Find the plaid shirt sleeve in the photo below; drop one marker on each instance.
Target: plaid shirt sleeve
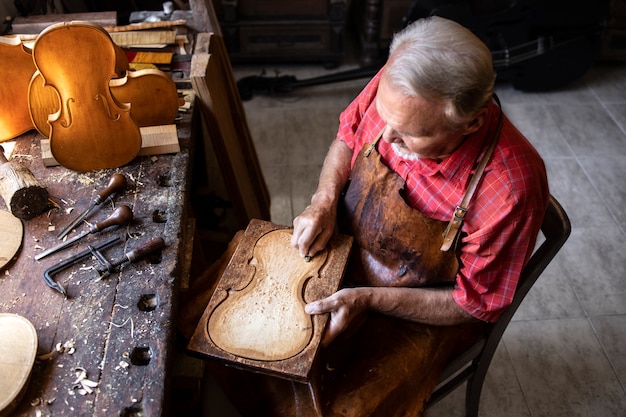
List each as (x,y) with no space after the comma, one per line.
(502,227)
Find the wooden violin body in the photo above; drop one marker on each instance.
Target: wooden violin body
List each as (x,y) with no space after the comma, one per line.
(151,94)
(91,129)
(14,79)
(43,100)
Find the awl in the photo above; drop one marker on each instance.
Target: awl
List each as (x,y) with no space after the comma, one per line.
(120,216)
(116,184)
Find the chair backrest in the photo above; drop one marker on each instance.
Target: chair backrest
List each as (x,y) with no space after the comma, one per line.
(555,229)
(474,362)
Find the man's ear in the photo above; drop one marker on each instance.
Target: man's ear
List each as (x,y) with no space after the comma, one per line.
(475,124)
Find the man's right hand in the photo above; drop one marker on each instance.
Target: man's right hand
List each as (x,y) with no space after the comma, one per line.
(313,228)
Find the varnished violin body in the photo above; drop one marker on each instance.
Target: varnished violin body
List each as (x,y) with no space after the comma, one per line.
(91,129)
(43,100)
(151,93)
(14,79)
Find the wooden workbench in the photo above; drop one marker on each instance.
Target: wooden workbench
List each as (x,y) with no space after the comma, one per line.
(119,329)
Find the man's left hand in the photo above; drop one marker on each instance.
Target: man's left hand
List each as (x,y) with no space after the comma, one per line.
(344,307)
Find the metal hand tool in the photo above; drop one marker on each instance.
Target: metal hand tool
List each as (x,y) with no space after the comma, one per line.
(134,255)
(48,274)
(116,184)
(120,216)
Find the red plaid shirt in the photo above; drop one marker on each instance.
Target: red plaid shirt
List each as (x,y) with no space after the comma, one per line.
(503,218)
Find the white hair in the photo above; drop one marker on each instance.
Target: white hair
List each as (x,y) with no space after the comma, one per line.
(437,58)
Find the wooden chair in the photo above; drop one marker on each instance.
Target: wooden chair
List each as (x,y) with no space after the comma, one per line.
(472,364)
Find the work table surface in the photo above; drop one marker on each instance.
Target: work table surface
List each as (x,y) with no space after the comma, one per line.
(118,329)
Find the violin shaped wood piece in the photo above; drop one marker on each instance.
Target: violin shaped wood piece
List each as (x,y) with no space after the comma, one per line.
(12,232)
(43,100)
(15,73)
(256,316)
(91,130)
(152,96)
(18,348)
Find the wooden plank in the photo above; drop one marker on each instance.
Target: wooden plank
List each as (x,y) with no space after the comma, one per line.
(255,319)
(155,140)
(224,116)
(145,37)
(37,23)
(145,26)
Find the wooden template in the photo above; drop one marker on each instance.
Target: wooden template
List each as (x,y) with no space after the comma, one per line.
(12,231)
(18,347)
(255,318)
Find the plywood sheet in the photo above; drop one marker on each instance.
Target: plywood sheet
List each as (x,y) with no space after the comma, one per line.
(256,319)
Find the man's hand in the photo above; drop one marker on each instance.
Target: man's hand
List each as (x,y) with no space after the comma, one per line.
(313,228)
(344,307)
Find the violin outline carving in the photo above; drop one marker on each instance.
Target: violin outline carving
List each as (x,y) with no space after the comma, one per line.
(265,320)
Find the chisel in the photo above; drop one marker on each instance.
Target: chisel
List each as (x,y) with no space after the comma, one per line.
(121,216)
(116,184)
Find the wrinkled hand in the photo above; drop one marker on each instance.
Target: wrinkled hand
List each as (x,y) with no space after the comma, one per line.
(313,228)
(344,307)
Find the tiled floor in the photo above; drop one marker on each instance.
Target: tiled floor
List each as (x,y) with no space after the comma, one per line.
(564,353)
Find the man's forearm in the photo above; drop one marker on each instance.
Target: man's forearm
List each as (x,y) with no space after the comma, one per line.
(334,175)
(433,306)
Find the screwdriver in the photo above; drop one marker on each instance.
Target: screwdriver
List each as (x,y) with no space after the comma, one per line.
(120,216)
(116,184)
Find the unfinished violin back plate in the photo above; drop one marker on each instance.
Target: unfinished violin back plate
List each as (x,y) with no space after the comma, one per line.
(255,318)
(18,348)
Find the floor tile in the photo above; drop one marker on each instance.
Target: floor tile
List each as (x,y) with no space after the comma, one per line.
(608,82)
(611,331)
(596,267)
(588,129)
(539,128)
(603,173)
(551,297)
(563,370)
(571,186)
(618,112)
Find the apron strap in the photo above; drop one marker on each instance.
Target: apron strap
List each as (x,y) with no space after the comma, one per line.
(454,227)
(372,146)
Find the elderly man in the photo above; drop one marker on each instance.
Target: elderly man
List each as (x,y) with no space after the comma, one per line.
(444,197)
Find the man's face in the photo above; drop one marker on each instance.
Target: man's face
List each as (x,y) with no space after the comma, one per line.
(416,127)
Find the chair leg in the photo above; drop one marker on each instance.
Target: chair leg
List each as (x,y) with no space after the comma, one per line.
(473,391)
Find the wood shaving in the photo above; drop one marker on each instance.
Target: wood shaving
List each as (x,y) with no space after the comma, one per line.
(82,384)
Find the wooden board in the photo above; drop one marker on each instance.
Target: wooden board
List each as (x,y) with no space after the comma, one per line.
(225,120)
(11,230)
(155,140)
(255,318)
(18,347)
(37,23)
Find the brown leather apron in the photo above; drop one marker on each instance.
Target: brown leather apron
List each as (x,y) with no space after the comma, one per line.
(396,245)
(383,367)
